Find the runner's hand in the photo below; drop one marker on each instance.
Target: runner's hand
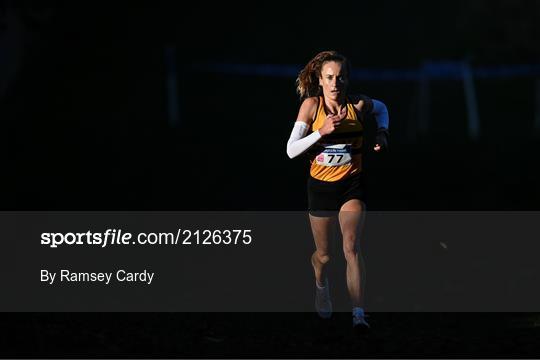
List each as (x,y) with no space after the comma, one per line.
(381,140)
(332,121)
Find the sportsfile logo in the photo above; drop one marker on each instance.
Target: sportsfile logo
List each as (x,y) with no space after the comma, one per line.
(110,236)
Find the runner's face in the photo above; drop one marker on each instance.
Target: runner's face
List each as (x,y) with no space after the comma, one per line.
(333,80)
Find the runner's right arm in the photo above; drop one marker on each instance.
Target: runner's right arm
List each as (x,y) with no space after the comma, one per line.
(299,141)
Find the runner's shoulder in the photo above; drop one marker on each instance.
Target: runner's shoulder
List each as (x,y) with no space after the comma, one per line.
(308,109)
(311,102)
(361,102)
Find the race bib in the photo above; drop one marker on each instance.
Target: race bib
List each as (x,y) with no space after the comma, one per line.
(334,155)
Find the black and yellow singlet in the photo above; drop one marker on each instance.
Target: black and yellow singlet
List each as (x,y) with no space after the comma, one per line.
(338,155)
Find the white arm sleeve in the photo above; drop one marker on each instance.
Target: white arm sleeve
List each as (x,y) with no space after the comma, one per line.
(298,142)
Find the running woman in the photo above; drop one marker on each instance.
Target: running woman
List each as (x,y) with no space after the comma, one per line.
(330,125)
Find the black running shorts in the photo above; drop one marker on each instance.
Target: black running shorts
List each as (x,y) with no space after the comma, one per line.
(324,198)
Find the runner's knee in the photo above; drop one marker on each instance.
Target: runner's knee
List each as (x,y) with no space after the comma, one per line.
(322,257)
(350,250)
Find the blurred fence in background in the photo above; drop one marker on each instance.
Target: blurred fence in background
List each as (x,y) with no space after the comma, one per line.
(419,124)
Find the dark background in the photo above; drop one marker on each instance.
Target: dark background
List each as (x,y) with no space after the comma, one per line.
(85,124)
